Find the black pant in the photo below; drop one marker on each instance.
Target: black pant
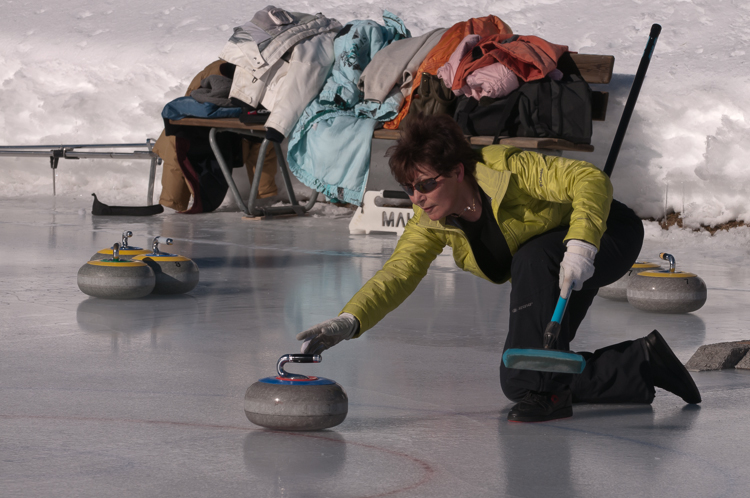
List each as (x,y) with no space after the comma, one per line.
(615,374)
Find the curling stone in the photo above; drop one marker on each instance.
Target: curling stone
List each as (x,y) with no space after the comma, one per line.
(175,274)
(294,402)
(116,278)
(126,251)
(667,291)
(618,291)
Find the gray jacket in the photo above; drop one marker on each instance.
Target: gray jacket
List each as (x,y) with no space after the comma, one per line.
(261,43)
(396,64)
(274,47)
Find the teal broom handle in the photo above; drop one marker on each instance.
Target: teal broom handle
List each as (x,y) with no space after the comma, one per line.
(553,328)
(562,303)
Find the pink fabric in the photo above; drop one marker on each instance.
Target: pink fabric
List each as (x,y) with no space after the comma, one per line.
(530,57)
(494,81)
(448,71)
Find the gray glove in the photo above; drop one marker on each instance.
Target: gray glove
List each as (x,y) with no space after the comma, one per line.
(329,333)
(577,265)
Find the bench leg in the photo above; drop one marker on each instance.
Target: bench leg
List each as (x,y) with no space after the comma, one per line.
(284,167)
(285,173)
(155,160)
(226,170)
(151,179)
(249,208)
(294,206)
(256,179)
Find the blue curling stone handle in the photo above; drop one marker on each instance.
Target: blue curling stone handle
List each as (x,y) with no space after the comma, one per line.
(310,381)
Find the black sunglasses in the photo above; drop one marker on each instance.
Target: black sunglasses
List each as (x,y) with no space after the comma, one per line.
(422,186)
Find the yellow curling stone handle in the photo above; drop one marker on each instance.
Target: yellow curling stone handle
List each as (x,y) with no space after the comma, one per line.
(671,273)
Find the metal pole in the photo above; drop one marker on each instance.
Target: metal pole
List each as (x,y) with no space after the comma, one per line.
(55,152)
(78,146)
(54,158)
(640,75)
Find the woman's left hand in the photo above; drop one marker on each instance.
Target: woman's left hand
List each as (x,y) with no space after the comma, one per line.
(577,265)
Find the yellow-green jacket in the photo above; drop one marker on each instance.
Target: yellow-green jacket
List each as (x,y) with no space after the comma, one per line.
(531,194)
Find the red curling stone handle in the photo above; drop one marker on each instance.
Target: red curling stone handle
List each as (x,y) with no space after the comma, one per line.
(295,358)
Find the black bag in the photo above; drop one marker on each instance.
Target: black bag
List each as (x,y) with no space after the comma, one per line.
(556,109)
(431,97)
(542,108)
(488,116)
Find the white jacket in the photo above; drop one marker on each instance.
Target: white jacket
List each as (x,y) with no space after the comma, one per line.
(298,82)
(267,74)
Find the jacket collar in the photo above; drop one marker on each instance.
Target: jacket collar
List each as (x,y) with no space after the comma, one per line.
(494,183)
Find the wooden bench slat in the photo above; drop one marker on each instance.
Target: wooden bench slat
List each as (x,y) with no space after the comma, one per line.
(218,123)
(534,143)
(595,69)
(522,142)
(383,134)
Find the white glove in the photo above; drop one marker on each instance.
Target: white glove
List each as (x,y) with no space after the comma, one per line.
(577,265)
(329,333)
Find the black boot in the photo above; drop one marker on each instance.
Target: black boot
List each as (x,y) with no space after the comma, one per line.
(667,371)
(540,407)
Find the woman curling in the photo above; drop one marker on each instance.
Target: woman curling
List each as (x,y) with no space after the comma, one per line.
(541,222)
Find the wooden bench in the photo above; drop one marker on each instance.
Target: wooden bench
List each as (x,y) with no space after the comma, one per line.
(595,69)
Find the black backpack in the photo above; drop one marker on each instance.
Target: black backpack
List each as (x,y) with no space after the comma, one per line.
(542,108)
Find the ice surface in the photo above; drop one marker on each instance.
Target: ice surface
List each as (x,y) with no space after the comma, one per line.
(145,398)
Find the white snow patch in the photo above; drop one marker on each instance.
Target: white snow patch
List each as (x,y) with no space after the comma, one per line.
(70,75)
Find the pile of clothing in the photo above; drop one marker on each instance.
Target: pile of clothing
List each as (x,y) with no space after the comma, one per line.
(327,87)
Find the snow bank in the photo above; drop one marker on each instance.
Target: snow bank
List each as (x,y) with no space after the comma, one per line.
(82,71)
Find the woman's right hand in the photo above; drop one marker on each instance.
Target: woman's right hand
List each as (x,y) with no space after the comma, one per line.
(329,333)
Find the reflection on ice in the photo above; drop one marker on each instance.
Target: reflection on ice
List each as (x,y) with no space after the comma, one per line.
(128,318)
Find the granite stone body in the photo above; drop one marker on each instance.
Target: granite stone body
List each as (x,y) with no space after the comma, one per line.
(720,356)
(665,292)
(618,291)
(174,274)
(296,406)
(744,363)
(116,280)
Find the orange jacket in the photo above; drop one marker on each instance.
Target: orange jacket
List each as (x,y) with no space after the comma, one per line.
(530,57)
(440,53)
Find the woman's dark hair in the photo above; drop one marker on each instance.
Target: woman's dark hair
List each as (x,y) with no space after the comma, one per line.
(435,141)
